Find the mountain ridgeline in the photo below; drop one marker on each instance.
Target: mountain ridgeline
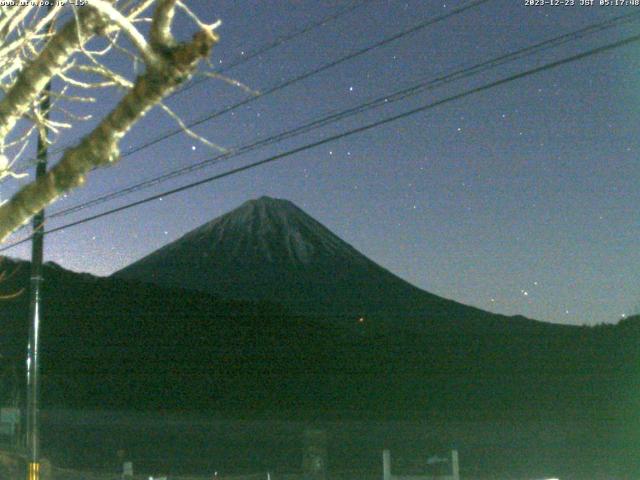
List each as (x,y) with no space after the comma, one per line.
(264,311)
(270,250)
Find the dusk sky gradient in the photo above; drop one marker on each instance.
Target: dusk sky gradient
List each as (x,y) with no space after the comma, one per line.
(522,199)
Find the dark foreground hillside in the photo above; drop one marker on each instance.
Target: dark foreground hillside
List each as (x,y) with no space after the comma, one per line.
(112,344)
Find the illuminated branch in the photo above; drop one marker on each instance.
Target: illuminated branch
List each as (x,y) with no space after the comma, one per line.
(167,67)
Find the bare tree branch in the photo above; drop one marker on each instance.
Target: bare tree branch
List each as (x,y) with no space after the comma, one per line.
(101,147)
(34,77)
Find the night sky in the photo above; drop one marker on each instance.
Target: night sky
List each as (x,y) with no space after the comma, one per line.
(522,199)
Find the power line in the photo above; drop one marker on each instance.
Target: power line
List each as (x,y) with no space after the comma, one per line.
(335,116)
(243,59)
(332,138)
(304,76)
(276,43)
(311,73)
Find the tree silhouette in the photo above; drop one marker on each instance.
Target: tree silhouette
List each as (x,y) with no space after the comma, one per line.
(34,50)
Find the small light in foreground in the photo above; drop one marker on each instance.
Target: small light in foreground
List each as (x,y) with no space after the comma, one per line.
(361,320)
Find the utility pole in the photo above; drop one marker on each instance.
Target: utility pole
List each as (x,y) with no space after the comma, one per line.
(35,307)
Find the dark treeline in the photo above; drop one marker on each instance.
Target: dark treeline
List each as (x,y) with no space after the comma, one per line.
(114,344)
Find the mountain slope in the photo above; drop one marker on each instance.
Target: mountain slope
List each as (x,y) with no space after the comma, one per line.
(109,343)
(269,249)
(112,343)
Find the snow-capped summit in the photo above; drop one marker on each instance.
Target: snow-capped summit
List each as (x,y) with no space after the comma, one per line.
(266,229)
(269,249)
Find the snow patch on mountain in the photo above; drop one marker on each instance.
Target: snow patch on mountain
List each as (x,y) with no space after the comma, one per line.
(268,228)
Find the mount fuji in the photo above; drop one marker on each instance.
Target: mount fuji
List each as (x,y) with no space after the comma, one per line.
(270,250)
